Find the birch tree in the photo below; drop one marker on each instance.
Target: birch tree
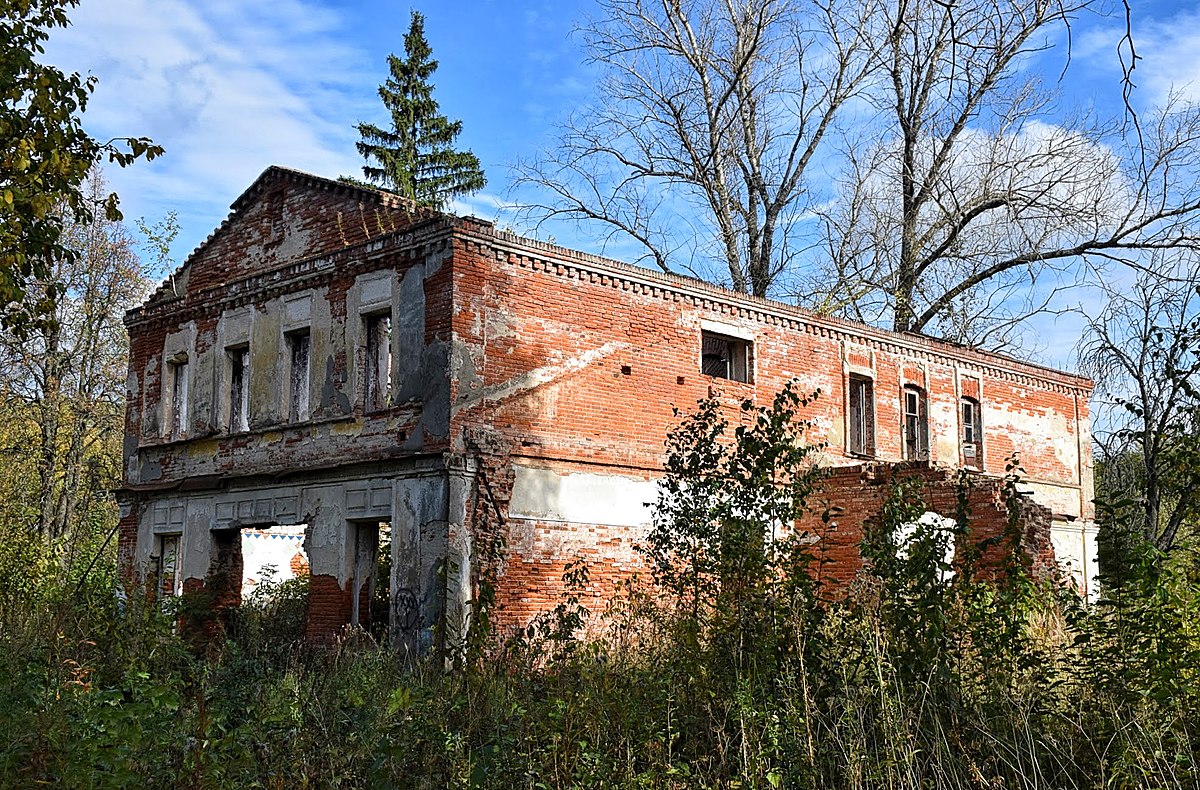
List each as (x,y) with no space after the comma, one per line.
(1143,350)
(64,377)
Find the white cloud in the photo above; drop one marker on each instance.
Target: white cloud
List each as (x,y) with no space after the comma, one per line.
(228,88)
(1167,40)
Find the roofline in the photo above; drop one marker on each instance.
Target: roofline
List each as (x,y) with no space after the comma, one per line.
(389,199)
(519,245)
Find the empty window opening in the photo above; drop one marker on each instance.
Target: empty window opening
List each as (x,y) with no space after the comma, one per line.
(239,389)
(972,433)
(379,361)
(168,570)
(916,425)
(177,395)
(862,416)
(725,357)
(256,566)
(370,586)
(272,556)
(931,538)
(299,348)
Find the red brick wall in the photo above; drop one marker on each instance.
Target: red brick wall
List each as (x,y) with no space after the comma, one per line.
(587,366)
(860,492)
(328,608)
(572,361)
(275,223)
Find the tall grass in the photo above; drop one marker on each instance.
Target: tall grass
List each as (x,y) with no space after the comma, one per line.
(748,674)
(93,695)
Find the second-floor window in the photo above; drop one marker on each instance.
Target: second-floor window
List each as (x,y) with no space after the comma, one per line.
(725,357)
(378,360)
(299,345)
(862,416)
(916,424)
(239,388)
(177,394)
(972,433)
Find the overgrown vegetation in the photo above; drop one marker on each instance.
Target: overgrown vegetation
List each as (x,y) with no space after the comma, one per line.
(749,674)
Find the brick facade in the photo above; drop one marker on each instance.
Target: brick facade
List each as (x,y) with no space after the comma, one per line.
(530,391)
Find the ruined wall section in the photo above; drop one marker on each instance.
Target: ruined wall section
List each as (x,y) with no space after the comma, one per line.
(285,216)
(576,363)
(858,493)
(327,299)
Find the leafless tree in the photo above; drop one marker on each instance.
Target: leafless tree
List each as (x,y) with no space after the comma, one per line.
(962,192)
(65,374)
(1143,349)
(708,117)
(971,184)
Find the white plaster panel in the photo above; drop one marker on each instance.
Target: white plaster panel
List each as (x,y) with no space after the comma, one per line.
(374,291)
(1077,554)
(297,310)
(944,428)
(369,500)
(408,334)
(1059,499)
(324,509)
(729,330)
(581,497)
(234,327)
(197,537)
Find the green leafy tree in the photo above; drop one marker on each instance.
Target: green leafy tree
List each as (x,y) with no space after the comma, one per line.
(45,157)
(723,541)
(415,157)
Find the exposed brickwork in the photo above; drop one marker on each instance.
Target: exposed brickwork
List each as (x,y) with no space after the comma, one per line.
(537,559)
(859,492)
(518,356)
(328,608)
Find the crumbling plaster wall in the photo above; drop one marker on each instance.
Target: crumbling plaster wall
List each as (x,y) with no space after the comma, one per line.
(249,286)
(337,430)
(413,500)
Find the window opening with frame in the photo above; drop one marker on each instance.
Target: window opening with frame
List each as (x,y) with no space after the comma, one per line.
(972,433)
(916,424)
(378,361)
(726,357)
(177,407)
(299,351)
(239,388)
(167,567)
(862,416)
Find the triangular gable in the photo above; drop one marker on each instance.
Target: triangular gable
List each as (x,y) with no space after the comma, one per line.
(287,216)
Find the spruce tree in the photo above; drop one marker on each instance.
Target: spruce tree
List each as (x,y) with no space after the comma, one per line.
(416,157)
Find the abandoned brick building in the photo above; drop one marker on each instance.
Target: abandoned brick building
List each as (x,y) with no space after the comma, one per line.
(362,373)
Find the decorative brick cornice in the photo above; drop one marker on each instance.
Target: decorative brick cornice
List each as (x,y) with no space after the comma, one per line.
(539,256)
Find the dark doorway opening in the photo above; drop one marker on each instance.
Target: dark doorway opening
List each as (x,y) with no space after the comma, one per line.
(371,581)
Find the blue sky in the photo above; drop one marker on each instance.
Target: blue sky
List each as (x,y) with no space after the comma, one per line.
(230,87)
